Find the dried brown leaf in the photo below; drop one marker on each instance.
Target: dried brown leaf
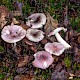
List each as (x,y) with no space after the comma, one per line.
(3,14)
(78,37)
(50,26)
(4,11)
(15,21)
(28,42)
(18,50)
(33,48)
(16,13)
(27,77)
(24,25)
(44,41)
(23,61)
(77,73)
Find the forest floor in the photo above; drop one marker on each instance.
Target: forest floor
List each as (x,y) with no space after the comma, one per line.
(16,64)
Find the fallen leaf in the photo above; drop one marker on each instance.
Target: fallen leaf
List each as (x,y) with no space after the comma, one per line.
(3,14)
(27,41)
(33,48)
(24,25)
(50,26)
(71,75)
(16,13)
(78,37)
(23,61)
(3,11)
(15,21)
(44,41)
(27,77)
(18,49)
(77,73)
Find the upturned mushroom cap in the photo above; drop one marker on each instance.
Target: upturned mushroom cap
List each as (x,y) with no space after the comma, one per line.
(13,33)
(42,60)
(36,20)
(59,38)
(54,48)
(34,35)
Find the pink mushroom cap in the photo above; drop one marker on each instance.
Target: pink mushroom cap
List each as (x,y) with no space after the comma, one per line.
(36,20)
(13,33)
(54,48)
(42,60)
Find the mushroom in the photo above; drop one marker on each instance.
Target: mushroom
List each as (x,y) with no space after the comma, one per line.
(34,35)
(54,48)
(42,60)
(13,34)
(36,20)
(59,38)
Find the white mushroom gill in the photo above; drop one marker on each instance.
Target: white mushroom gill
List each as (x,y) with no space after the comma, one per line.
(36,20)
(59,38)
(34,35)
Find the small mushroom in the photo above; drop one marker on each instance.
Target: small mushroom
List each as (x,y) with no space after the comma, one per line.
(42,60)
(34,35)
(13,33)
(59,38)
(54,48)
(36,20)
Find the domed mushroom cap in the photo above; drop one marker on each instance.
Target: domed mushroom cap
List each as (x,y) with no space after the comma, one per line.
(54,48)
(36,20)
(42,60)
(34,35)
(13,33)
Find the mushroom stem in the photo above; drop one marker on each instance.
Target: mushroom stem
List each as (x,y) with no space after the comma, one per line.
(62,41)
(14,45)
(59,38)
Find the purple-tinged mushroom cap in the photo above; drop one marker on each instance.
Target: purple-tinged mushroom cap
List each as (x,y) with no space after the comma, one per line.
(36,20)
(13,33)
(54,48)
(42,60)
(34,35)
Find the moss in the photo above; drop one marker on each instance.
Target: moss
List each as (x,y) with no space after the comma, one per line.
(1,48)
(2,76)
(67,62)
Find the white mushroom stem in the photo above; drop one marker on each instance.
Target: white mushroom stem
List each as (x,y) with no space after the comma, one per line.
(14,45)
(59,38)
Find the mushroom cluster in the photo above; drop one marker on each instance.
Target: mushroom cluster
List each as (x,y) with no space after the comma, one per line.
(55,48)
(43,59)
(35,21)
